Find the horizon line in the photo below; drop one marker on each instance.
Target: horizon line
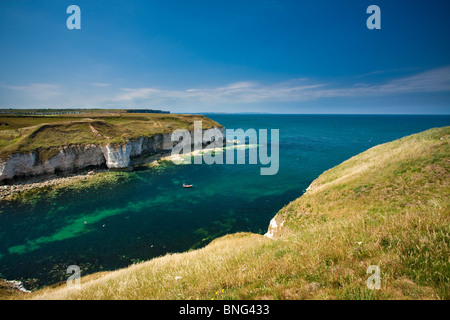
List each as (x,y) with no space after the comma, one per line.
(231,113)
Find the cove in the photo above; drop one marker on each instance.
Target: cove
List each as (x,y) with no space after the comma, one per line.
(147,213)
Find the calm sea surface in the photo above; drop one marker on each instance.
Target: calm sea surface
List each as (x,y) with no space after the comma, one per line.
(148,213)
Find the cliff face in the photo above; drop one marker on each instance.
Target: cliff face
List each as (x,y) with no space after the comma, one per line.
(76,157)
(119,156)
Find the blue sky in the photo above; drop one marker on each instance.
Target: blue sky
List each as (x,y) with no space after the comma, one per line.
(312,56)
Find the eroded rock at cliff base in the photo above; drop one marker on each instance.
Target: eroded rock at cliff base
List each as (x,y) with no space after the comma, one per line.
(77,157)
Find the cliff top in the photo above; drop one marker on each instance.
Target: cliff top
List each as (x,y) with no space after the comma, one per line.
(386,207)
(27,133)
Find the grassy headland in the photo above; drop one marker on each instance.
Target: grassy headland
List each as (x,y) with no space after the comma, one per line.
(388,206)
(23,133)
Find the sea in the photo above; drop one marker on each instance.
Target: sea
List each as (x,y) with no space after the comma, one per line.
(147,213)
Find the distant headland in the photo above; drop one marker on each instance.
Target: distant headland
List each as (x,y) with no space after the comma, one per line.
(36,142)
(51,111)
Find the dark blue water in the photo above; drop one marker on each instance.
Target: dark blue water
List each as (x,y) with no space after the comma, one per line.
(147,213)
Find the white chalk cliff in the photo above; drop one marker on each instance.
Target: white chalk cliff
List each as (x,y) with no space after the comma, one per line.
(76,157)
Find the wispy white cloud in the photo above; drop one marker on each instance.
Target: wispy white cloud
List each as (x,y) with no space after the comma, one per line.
(101,84)
(244,92)
(40,91)
(436,80)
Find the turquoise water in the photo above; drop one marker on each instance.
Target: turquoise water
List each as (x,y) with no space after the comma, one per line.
(148,214)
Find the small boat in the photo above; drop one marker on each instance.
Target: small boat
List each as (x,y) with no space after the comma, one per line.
(187,185)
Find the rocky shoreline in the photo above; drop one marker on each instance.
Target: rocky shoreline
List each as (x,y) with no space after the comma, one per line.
(26,184)
(22,185)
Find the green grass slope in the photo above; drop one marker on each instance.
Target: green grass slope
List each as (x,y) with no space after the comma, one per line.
(388,207)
